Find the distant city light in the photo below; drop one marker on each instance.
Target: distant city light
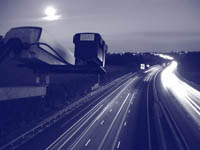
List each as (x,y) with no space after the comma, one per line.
(51,14)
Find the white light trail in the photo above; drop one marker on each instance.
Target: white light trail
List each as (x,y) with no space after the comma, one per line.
(151,72)
(165,56)
(186,95)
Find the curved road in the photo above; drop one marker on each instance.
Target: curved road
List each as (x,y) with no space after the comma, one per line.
(150,110)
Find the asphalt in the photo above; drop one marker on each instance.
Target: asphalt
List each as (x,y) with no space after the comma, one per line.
(142,112)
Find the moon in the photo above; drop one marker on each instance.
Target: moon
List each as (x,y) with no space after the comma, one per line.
(50,11)
(51,14)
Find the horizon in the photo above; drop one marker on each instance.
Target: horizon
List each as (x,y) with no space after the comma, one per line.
(144,26)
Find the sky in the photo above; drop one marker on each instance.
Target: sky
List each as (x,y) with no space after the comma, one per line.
(125,25)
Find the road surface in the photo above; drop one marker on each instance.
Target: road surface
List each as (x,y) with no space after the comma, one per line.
(150,110)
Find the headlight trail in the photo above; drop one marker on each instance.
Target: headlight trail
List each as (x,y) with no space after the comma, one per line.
(151,72)
(186,95)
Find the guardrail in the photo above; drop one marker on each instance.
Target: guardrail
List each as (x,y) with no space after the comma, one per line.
(58,115)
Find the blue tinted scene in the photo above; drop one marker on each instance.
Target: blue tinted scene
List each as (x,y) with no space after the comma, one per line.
(99,75)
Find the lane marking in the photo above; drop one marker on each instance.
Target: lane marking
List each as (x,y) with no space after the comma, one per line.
(88,128)
(94,121)
(102,122)
(118,145)
(124,123)
(148,119)
(110,110)
(67,122)
(132,98)
(87,142)
(78,122)
(112,123)
(52,145)
(121,124)
(77,129)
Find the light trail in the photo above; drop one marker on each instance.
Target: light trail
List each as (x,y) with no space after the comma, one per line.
(165,56)
(151,72)
(184,94)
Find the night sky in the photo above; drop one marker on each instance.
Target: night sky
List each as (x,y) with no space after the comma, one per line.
(126,25)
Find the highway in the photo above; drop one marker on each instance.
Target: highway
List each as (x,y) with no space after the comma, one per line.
(180,107)
(150,110)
